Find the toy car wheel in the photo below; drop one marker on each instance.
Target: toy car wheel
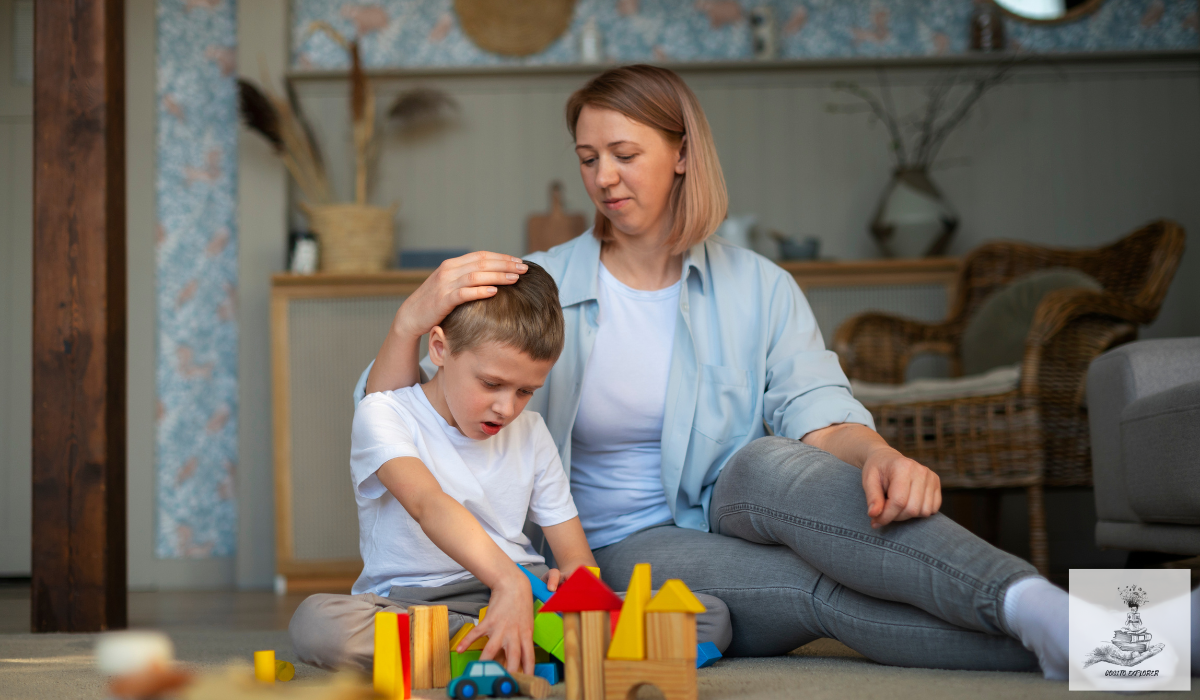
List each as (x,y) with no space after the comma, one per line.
(466,690)
(504,688)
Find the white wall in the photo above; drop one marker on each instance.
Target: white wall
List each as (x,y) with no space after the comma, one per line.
(1068,155)
(262,244)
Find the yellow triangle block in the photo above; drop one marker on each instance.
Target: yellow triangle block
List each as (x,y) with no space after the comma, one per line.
(629,639)
(675,596)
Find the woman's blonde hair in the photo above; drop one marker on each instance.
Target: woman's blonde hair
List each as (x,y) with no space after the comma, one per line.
(659,98)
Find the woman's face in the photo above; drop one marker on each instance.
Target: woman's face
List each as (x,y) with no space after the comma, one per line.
(628,169)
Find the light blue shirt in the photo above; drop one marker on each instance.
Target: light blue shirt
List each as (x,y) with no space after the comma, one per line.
(747,351)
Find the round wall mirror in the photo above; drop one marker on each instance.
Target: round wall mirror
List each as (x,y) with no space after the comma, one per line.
(1048,11)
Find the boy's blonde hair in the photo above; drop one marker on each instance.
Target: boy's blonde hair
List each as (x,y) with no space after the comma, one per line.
(659,98)
(526,315)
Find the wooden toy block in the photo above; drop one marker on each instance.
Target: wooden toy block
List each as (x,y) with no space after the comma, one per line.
(388,667)
(264,666)
(440,644)
(573,655)
(284,671)
(458,662)
(482,612)
(629,640)
(582,591)
(675,596)
(671,635)
(404,675)
(548,634)
(531,686)
(594,569)
(594,635)
(551,671)
(479,642)
(706,654)
(422,652)
(675,679)
(540,591)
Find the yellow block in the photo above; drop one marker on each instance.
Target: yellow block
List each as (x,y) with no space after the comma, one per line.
(482,612)
(388,677)
(629,641)
(284,671)
(675,596)
(594,569)
(458,636)
(264,666)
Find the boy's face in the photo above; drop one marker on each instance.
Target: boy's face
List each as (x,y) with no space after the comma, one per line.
(486,387)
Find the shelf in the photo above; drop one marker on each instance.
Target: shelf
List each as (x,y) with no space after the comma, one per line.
(793,65)
(808,274)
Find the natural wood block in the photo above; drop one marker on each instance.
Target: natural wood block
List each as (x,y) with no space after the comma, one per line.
(422,653)
(595,634)
(535,687)
(572,653)
(675,679)
(440,643)
(670,635)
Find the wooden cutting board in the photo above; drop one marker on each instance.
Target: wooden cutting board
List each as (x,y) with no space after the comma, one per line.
(544,231)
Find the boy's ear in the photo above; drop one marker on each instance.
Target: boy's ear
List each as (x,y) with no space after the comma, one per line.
(438,348)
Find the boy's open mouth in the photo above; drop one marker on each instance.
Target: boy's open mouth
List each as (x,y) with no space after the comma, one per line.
(491,428)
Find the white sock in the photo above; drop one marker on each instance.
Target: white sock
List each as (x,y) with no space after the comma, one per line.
(1037,612)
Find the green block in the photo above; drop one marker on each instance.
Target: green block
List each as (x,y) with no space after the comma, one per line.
(548,634)
(458,662)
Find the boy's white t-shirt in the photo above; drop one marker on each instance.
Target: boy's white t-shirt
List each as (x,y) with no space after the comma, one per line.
(512,475)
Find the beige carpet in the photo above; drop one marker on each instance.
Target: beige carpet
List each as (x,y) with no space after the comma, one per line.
(58,667)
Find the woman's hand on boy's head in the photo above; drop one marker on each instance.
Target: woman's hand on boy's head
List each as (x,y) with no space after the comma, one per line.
(456,281)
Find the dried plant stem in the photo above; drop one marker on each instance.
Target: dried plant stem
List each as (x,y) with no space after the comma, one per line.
(364,132)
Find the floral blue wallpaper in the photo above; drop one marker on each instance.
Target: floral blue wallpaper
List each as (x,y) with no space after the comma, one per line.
(196,253)
(397,33)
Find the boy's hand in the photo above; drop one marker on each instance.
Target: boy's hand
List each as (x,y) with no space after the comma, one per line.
(508,625)
(553,578)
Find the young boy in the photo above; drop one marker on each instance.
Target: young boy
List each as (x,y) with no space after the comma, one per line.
(445,475)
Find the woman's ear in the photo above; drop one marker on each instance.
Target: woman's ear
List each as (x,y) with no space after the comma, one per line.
(437,346)
(681,162)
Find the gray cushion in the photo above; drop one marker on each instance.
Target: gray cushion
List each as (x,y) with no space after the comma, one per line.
(1160,449)
(996,335)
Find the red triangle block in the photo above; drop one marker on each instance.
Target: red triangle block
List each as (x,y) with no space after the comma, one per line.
(583,591)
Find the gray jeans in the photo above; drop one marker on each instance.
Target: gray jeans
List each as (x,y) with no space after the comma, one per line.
(793,556)
(334,631)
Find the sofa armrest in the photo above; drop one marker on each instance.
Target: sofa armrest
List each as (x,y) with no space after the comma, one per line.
(1116,379)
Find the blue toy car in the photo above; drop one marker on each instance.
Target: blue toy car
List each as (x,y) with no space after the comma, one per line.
(482,678)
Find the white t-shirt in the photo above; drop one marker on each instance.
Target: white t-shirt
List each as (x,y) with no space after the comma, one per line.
(616,450)
(501,480)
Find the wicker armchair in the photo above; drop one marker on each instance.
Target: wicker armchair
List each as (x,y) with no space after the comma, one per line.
(1038,433)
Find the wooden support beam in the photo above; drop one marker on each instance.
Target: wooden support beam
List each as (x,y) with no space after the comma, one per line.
(79,542)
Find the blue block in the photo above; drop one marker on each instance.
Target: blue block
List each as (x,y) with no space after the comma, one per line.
(539,588)
(706,654)
(552,672)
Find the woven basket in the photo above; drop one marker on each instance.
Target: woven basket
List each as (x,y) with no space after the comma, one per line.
(354,238)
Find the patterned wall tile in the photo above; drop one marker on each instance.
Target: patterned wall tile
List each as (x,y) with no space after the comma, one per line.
(398,33)
(196,373)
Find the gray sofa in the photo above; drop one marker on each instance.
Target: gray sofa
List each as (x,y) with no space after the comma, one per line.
(1144,418)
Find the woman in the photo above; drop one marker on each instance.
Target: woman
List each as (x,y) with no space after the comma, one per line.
(679,348)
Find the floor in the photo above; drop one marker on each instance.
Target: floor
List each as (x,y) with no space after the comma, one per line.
(211,628)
